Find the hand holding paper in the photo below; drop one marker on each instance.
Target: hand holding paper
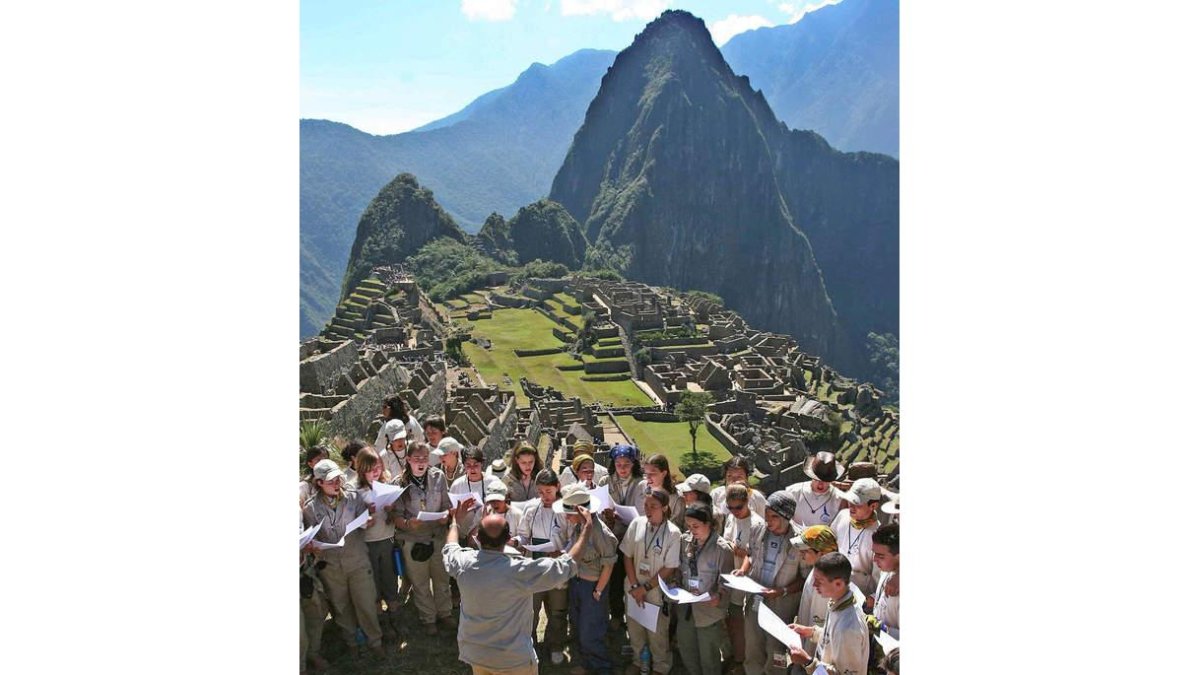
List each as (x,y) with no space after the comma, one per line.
(431,516)
(776,628)
(456,499)
(681,596)
(743,584)
(307,535)
(384,495)
(540,548)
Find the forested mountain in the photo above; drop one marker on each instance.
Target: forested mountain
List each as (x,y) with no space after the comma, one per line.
(497,154)
(682,176)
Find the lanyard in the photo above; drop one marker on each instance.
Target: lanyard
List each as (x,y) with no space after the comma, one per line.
(650,537)
(822,505)
(533,527)
(694,556)
(850,545)
(621,497)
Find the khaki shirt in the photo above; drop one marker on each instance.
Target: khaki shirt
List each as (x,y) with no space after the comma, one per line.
(712,560)
(539,521)
(354,552)
(517,491)
(599,550)
(657,547)
(435,497)
(787,568)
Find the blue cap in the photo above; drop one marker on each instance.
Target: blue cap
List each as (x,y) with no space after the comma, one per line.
(623,450)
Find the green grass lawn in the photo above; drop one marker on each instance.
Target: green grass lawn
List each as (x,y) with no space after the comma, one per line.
(566,300)
(673,440)
(510,329)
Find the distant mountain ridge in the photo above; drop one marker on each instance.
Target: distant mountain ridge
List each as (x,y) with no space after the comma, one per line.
(836,71)
(497,154)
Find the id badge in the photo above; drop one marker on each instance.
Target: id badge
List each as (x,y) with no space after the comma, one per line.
(694,586)
(779,659)
(644,568)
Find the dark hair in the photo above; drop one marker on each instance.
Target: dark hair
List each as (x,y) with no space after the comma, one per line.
(435,422)
(891,662)
(523,449)
(351,449)
(737,462)
(834,566)
(663,464)
(889,536)
(637,467)
(703,498)
(475,454)
(701,512)
(309,455)
(486,541)
(399,410)
(546,477)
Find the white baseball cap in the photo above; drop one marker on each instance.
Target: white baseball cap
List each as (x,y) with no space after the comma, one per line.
(862,491)
(698,482)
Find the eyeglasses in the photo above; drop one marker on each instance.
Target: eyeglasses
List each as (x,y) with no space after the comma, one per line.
(736,507)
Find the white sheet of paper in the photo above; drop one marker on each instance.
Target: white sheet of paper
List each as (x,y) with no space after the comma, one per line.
(540,548)
(600,499)
(383,495)
(681,596)
(511,551)
(322,546)
(431,516)
(455,500)
(743,584)
(886,642)
(776,628)
(307,535)
(357,523)
(625,513)
(820,670)
(646,616)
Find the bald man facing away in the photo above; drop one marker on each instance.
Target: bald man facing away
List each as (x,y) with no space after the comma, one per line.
(496,623)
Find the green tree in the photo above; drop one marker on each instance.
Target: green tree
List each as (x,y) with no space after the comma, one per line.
(691,408)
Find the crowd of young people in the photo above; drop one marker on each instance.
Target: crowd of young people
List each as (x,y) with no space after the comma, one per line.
(826,564)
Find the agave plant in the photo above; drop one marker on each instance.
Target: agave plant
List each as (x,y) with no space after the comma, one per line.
(313,433)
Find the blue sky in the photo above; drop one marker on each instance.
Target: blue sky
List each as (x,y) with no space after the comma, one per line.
(386,66)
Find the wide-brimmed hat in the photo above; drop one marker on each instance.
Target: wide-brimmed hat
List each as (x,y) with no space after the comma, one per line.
(823,466)
(575,494)
(892,505)
(862,491)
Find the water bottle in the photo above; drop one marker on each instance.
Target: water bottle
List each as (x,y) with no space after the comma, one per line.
(644,665)
(398,560)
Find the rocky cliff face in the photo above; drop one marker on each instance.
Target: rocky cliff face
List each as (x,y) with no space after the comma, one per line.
(683,176)
(401,219)
(542,230)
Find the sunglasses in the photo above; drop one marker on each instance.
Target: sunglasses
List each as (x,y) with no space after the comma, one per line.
(736,507)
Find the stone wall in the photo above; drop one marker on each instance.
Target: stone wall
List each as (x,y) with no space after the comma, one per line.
(319,374)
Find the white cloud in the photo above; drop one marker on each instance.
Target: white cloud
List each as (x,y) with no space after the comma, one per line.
(733,24)
(489,10)
(619,10)
(796,9)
